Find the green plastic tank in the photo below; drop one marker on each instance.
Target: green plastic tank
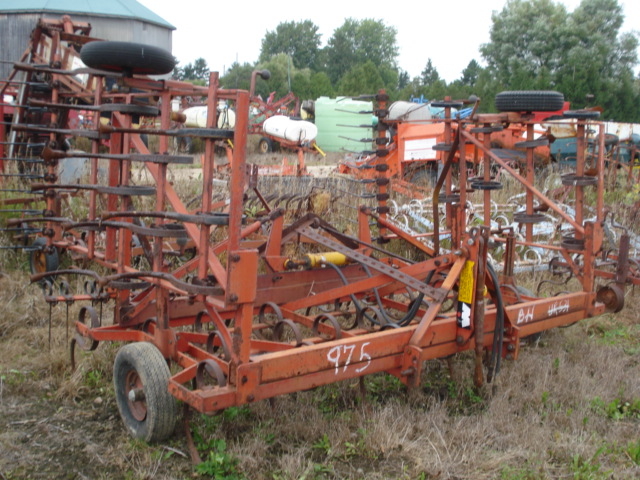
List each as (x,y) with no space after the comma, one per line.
(342,122)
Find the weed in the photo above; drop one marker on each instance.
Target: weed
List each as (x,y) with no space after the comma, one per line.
(237,413)
(14,377)
(633,450)
(219,464)
(323,444)
(358,447)
(162,454)
(545,398)
(617,409)
(556,365)
(472,396)
(381,386)
(588,469)
(319,469)
(332,400)
(609,332)
(524,473)
(94,379)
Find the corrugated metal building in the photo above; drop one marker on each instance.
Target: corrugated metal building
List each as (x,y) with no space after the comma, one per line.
(122,20)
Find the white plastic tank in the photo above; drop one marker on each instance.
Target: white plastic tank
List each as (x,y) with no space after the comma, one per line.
(197,117)
(290,129)
(409,111)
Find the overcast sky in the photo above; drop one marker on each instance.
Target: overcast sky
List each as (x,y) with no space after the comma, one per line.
(448,32)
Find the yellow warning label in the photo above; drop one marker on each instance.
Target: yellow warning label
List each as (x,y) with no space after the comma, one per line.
(465,294)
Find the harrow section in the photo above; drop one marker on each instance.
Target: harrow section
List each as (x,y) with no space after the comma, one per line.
(247,306)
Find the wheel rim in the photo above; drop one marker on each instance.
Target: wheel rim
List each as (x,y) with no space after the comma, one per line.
(135,395)
(40,262)
(264,147)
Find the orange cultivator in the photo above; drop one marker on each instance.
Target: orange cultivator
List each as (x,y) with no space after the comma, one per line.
(247,308)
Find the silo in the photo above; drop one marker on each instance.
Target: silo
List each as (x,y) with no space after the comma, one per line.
(122,20)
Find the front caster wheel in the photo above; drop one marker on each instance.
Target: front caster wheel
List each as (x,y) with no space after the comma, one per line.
(140,379)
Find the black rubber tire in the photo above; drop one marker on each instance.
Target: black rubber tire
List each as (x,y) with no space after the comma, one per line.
(529,101)
(141,365)
(40,260)
(581,114)
(130,58)
(265,145)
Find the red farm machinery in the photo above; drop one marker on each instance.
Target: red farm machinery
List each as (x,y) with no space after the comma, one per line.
(219,306)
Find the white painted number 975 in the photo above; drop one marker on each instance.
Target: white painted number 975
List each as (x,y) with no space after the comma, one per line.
(336,354)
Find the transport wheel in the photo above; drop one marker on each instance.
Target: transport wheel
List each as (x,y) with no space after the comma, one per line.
(140,379)
(529,101)
(41,259)
(265,145)
(130,58)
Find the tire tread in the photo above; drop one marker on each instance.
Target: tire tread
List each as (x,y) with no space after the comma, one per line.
(529,101)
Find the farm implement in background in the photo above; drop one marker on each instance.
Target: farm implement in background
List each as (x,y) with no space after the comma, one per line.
(219,306)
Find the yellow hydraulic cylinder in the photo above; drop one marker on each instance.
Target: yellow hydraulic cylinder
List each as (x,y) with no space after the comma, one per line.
(318,259)
(313,260)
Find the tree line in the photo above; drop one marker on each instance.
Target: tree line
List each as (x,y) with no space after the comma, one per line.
(534,45)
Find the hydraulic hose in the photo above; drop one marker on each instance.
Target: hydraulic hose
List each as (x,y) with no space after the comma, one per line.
(498,332)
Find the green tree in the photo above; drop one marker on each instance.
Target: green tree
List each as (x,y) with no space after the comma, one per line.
(470,74)
(282,73)
(320,86)
(430,74)
(196,72)
(527,38)
(599,60)
(364,78)
(237,76)
(536,44)
(300,40)
(357,42)
(403,79)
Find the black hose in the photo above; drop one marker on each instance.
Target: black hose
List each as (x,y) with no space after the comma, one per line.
(402,322)
(498,332)
(355,301)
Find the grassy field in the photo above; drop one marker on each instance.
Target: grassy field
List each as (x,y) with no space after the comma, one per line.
(568,407)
